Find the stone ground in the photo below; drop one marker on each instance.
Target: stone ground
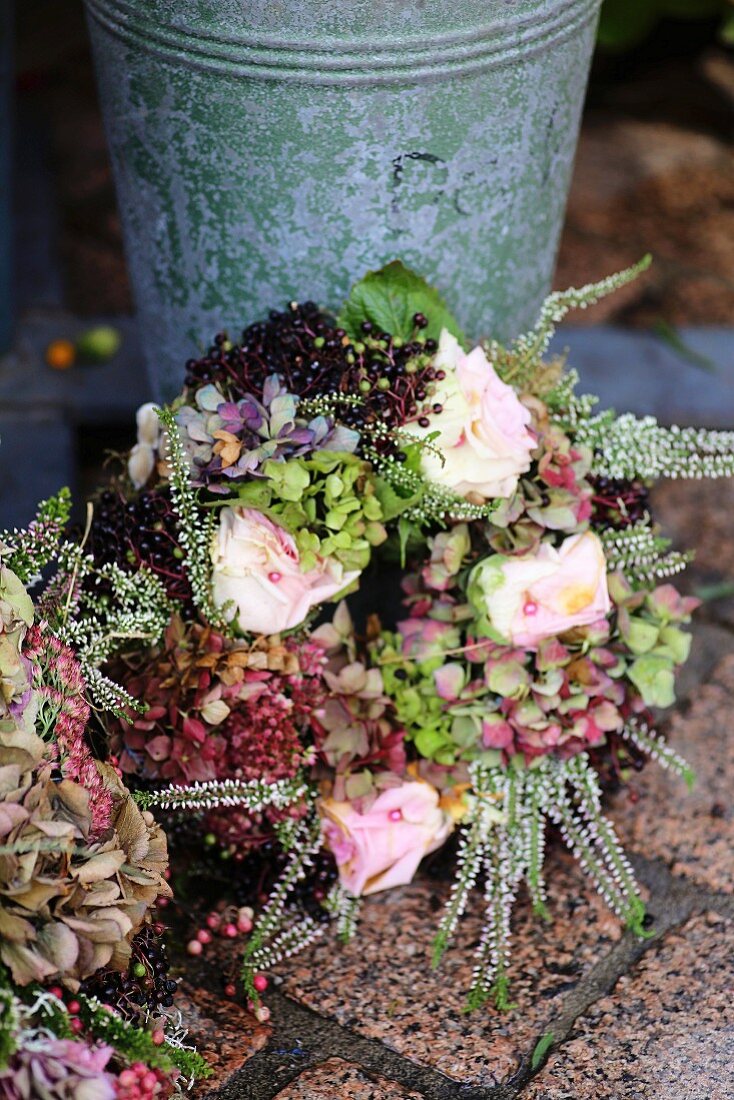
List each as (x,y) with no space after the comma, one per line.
(599,1014)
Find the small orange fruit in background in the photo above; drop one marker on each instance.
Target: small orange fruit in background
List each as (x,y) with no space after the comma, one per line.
(60,354)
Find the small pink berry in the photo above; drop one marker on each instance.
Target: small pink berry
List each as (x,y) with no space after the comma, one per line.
(275,576)
(73,1008)
(158,1036)
(76,1025)
(149,1081)
(194,947)
(57,991)
(260,982)
(204,935)
(262,1014)
(530,608)
(127,1078)
(139,1067)
(230,930)
(162,902)
(230,989)
(244,924)
(213,921)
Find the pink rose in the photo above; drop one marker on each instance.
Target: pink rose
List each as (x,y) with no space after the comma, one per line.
(483,434)
(383,847)
(256,567)
(545,593)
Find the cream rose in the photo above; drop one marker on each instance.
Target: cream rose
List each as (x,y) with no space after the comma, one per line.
(483,427)
(382,848)
(527,599)
(256,567)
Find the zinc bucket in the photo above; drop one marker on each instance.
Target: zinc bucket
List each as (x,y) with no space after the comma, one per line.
(274,150)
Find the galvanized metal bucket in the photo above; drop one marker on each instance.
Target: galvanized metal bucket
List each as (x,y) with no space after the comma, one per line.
(277,149)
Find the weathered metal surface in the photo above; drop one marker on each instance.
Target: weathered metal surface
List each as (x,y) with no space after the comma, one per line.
(276,149)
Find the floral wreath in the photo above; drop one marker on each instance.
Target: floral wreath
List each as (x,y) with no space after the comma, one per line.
(272,719)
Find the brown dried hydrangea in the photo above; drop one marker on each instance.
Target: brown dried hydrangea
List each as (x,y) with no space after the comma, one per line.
(69,906)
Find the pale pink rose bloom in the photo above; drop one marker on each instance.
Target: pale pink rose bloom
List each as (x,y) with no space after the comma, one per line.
(382,848)
(483,427)
(256,566)
(548,592)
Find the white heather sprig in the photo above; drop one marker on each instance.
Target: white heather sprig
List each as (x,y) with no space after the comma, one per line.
(509,846)
(195,527)
(628,447)
(255,795)
(434,503)
(652,744)
(639,553)
(275,936)
(534,344)
(344,909)
(27,552)
(96,624)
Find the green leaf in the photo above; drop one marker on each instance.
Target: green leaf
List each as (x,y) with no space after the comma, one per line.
(390,298)
(393,504)
(542,1047)
(672,337)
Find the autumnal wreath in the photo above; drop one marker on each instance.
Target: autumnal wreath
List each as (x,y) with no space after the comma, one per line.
(361,592)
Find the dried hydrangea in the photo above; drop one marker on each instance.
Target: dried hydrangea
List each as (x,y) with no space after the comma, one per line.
(228,441)
(556,495)
(355,729)
(18,702)
(69,903)
(218,708)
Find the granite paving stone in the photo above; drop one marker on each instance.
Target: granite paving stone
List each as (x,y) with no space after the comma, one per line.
(336,1079)
(699,516)
(221,1030)
(666,1032)
(382,985)
(693,831)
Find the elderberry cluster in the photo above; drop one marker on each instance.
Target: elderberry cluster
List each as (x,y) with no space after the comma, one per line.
(393,379)
(141,532)
(144,988)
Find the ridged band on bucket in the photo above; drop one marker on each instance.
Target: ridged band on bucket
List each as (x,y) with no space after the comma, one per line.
(357,60)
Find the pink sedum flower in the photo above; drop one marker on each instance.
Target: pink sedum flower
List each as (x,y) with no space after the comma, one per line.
(543,594)
(483,433)
(382,848)
(256,566)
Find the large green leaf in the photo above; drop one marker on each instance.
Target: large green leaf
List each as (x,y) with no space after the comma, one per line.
(390,299)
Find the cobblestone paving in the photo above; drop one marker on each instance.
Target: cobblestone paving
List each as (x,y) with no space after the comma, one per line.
(621,1018)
